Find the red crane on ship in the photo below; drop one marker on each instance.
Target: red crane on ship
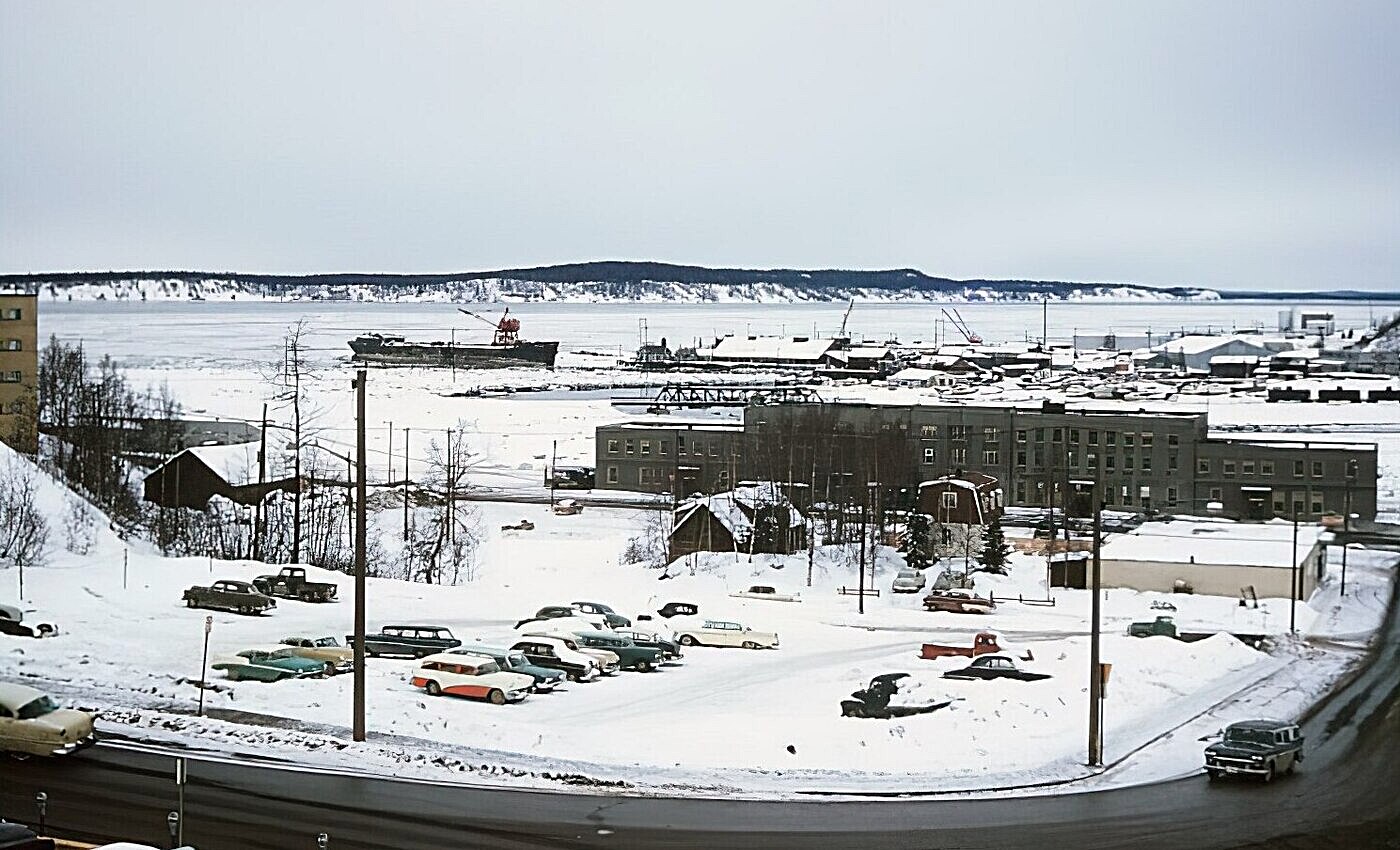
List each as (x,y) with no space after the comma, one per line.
(507,329)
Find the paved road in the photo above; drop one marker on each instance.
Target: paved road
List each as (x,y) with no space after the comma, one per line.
(1350,778)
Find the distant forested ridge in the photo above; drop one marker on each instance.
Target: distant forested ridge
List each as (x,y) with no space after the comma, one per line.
(606,281)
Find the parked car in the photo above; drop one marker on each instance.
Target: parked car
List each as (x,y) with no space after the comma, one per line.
(556,654)
(611,618)
(874,700)
(678,609)
(909,581)
(763,591)
(514,661)
(1162,625)
(326,649)
(240,597)
(12,623)
(291,583)
(630,656)
(270,665)
(523,525)
(995,667)
(958,602)
(958,577)
(608,661)
(1262,748)
(17,836)
(670,650)
(470,676)
(555,612)
(411,641)
(568,507)
(32,723)
(725,633)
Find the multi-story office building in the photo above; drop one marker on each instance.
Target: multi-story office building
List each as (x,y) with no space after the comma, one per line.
(19,367)
(1143,457)
(669,455)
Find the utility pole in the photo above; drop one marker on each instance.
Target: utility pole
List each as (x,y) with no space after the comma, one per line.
(1346,522)
(1095,669)
(390,473)
(359,683)
(405,485)
(204,665)
(451,491)
(262,477)
(1293,592)
(350,501)
(553,477)
(860,603)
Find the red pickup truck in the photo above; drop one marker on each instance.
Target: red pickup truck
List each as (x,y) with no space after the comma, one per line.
(982,644)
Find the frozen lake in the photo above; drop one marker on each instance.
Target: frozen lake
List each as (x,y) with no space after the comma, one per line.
(177,334)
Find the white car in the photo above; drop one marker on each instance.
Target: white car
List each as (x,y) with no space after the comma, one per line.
(608,661)
(725,633)
(556,654)
(471,676)
(909,581)
(31,723)
(763,591)
(582,622)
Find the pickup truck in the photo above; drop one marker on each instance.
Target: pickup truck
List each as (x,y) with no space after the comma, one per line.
(983,644)
(291,583)
(239,597)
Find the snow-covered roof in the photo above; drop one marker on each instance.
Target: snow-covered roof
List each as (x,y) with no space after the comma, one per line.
(770,348)
(1200,344)
(1234,358)
(726,507)
(1217,542)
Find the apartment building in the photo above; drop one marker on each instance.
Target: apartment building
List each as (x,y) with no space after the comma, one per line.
(19,367)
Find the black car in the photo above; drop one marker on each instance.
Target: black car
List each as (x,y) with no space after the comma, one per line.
(549,612)
(995,667)
(1259,748)
(598,609)
(410,641)
(678,609)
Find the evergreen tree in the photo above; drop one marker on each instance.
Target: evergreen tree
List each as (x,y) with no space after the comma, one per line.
(994,548)
(918,552)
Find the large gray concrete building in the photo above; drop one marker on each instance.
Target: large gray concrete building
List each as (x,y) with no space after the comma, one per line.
(1143,457)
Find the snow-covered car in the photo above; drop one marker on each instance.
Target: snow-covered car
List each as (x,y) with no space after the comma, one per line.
(326,649)
(958,602)
(608,661)
(557,625)
(555,654)
(909,581)
(272,664)
(725,633)
(32,723)
(568,507)
(12,623)
(768,592)
(995,667)
(877,699)
(557,612)
(471,676)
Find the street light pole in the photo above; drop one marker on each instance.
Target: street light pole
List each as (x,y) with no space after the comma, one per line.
(1095,668)
(1346,522)
(204,665)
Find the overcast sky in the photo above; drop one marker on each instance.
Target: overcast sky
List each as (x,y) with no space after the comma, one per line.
(1235,145)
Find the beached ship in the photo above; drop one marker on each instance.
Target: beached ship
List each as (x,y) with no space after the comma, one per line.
(506,349)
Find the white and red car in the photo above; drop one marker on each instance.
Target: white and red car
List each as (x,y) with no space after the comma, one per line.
(470,676)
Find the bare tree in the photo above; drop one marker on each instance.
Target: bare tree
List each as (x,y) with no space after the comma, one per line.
(293,377)
(443,539)
(24,533)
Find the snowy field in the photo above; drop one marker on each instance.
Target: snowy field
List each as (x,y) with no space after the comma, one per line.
(723,721)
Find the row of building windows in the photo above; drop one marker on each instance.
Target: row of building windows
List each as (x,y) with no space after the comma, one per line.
(991,456)
(1122,494)
(658,475)
(1230,468)
(663,447)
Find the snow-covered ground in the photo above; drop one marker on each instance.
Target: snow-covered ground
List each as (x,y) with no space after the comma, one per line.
(723,721)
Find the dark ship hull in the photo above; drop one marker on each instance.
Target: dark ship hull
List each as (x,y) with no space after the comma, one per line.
(395,351)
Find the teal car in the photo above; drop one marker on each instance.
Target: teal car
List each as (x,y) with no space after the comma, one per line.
(269,665)
(630,656)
